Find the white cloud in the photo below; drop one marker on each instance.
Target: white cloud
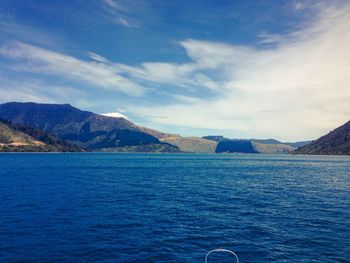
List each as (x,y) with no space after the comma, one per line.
(123,22)
(97,57)
(299,89)
(186,75)
(186,99)
(298,6)
(113,4)
(124,13)
(36,91)
(34,59)
(267,38)
(115,115)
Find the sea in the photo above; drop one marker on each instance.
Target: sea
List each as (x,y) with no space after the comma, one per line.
(108,207)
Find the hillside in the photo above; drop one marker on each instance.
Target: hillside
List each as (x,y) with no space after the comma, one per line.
(83,128)
(9,136)
(275,148)
(337,142)
(20,138)
(215,138)
(191,144)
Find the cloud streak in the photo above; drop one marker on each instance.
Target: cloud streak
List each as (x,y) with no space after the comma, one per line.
(37,91)
(114,5)
(122,13)
(42,61)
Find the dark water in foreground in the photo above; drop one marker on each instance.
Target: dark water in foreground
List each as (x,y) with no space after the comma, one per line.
(173,208)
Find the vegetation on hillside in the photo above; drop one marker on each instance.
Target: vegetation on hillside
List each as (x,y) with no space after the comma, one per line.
(22,138)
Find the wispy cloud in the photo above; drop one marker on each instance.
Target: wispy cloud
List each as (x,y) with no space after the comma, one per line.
(27,33)
(38,91)
(298,5)
(267,38)
(97,57)
(121,13)
(42,61)
(124,22)
(114,4)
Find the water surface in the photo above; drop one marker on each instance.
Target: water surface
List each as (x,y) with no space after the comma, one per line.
(86,207)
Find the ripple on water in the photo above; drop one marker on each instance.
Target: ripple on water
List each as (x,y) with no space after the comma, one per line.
(173,208)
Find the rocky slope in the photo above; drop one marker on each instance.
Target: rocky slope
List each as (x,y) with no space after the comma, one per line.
(276,148)
(337,142)
(191,144)
(20,138)
(83,128)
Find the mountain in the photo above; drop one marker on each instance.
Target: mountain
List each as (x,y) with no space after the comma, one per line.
(83,128)
(266,141)
(272,148)
(21,138)
(269,146)
(215,138)
(191,144)
(252,146)
(235,146)
(337,142)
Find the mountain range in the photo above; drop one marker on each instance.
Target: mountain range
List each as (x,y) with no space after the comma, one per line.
(62,127)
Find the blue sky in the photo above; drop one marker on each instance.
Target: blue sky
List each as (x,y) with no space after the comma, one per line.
(243,69)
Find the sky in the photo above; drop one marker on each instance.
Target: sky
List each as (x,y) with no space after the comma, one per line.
(239,68)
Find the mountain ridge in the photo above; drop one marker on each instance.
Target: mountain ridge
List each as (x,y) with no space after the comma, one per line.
(83,128)
(336,142)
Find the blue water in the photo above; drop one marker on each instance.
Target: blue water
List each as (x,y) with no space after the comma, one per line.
(173,208)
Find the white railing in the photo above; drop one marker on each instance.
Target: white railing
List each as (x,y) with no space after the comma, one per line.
(221,250)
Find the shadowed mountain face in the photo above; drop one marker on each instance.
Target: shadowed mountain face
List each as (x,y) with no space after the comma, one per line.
(336,142)
(269,146)
(86,129)
(235,146)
